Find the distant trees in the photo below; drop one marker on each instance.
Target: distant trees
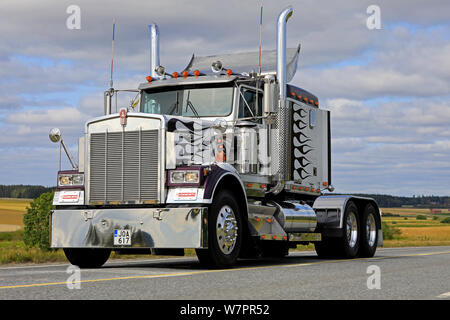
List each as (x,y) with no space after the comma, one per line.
(388,201)
(23,191)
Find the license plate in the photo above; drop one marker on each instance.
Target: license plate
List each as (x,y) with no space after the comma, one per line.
(122,237)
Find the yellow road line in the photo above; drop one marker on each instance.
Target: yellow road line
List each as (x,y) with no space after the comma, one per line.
(221,270)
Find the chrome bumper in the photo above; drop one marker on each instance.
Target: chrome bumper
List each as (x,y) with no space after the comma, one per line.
(150,228)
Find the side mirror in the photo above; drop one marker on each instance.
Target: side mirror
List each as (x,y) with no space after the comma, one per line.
(55,135)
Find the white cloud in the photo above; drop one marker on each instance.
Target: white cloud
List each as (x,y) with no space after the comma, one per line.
(388,89)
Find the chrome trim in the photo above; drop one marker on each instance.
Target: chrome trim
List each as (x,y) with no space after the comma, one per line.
(351,229)
(338,204)
(185,81)
(371,230)
(154,33)
(281,50)
(150,227)
(226,229)
(300,237)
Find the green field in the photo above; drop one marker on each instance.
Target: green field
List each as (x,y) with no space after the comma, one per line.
(412,232)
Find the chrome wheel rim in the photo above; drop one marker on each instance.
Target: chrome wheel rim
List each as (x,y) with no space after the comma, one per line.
(371,230)
(352,229)
(226,229)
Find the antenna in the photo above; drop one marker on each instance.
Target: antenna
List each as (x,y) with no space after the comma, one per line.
(112,53)
(260,37)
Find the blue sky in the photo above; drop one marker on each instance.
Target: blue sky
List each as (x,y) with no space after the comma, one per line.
(388,89)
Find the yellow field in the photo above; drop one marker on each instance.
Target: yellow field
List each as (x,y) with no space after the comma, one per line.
(409,211)
(414,232)
(11,213)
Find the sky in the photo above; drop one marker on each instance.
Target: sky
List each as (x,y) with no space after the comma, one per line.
(387,85)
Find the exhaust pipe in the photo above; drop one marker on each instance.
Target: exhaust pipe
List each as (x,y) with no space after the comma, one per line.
(283,17)
(283,112)
(154,34)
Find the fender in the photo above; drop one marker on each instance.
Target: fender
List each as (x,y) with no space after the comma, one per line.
(219,172)
(330,209)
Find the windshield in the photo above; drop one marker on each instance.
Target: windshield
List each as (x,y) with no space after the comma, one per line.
(189,101)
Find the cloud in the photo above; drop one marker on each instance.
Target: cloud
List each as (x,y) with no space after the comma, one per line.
(387,89)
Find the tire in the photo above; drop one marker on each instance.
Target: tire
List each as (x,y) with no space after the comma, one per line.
(87,258)
(346,246)
(349,243)
(369,232)
(224,232)
(326,248)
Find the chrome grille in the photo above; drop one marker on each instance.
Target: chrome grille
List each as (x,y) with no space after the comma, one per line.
(124,166)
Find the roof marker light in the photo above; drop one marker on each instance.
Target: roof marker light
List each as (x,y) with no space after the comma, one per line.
(185,74)
(196,73)
(149,79)
(229,72)
(175,75)
(216,66)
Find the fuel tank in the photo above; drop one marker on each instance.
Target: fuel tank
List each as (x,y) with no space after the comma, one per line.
(295,216)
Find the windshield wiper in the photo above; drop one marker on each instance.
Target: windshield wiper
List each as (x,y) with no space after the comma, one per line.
(191,106)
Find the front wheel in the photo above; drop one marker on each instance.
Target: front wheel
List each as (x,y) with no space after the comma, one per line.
(224,233)
(87,258)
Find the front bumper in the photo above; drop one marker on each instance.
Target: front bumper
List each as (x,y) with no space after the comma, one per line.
(149,227)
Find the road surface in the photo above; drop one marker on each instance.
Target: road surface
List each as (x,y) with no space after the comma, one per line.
(394,273)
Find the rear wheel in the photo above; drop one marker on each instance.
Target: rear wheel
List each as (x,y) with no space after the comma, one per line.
(350,241)
(87,258)
(224,232)
(347,245)
(369,233)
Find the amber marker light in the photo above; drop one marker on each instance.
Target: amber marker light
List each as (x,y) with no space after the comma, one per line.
(175,75)
(185,74)
(149,79)
(229,72)
(196,73)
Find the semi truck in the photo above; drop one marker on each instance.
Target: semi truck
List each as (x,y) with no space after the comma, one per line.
(225,157)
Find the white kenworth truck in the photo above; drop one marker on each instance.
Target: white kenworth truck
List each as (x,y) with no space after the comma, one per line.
(225,158)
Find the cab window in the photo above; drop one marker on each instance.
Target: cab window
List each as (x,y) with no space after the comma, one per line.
(250,103)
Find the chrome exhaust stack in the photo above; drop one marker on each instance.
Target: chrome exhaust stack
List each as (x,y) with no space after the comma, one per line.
(283,18)
(283,112)
(154,33)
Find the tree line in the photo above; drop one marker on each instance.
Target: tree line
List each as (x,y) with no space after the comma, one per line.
(388,201)
(23,191)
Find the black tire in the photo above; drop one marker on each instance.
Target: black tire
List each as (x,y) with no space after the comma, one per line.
(326,248)
(349,246)
(369,232)
(274,249)
(225,254)
(87,258)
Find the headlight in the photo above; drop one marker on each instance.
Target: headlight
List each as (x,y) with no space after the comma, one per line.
(66,180)
(184,177)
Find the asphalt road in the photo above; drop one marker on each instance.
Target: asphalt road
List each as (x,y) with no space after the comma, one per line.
(404,273)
